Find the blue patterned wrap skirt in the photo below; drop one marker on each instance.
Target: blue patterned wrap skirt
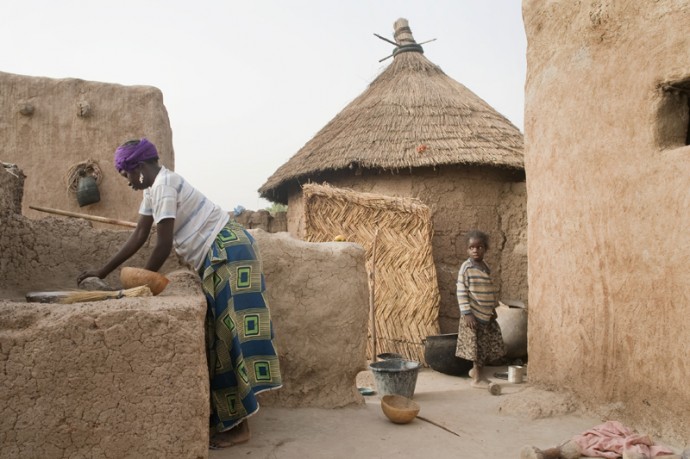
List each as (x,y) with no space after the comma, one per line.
(241,356)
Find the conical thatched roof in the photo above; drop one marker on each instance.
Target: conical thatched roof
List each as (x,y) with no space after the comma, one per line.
(411,115)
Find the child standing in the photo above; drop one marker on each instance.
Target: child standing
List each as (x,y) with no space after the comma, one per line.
(479,335)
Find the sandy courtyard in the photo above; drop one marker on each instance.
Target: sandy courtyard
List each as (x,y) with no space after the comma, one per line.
(487,426)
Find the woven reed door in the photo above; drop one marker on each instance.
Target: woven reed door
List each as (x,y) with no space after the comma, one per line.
(406,295)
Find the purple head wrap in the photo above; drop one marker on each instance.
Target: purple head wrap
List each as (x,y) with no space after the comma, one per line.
(127,157)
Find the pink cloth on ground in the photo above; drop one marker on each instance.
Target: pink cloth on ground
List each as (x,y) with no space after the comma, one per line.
(612,438)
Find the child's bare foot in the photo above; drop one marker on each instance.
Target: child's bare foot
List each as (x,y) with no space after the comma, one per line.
(238,434)
(480,384)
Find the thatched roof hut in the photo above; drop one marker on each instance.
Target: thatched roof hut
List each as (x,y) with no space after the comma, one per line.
(417,133)
(412,115)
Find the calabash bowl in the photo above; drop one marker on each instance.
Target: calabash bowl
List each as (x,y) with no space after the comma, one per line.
(399,409)
(131,277)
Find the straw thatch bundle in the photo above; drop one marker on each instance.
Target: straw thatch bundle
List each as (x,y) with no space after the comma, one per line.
(412,115)
(406,290)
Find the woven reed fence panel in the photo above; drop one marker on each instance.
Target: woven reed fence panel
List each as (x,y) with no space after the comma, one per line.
(406,295)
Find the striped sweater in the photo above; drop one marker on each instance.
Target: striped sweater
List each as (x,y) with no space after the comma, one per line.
(475,290)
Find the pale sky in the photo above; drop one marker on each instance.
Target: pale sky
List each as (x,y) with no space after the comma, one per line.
(247,83)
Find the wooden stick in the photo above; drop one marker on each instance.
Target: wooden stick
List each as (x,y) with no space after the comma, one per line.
(95,218)
(385,39)
(437,425)
(372,290)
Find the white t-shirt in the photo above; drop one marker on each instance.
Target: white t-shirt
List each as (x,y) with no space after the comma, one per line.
(197,219)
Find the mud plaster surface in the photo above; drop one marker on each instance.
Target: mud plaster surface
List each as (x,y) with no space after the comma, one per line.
(113,379)
(288,423)
(487,426)
(60,134)
(607,178)
(128,377)
(461,199)
(319,299)
(49,253)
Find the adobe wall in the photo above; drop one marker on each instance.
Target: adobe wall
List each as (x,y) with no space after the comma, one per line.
(319,299)
(113,379)
(128,377)
(461,199)
(607,178)
(49,125)
(50,252)
(263,219)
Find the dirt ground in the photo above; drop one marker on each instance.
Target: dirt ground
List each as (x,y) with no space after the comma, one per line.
(487,426)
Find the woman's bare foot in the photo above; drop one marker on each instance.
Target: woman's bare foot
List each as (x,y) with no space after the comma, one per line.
(238,434)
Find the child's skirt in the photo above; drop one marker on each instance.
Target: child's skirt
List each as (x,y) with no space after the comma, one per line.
(485,345)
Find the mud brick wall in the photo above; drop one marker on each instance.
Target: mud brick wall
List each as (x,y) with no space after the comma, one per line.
(111,379)
(128,377)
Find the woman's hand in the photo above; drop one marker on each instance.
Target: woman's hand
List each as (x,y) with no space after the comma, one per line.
(135,241)
(86,274)
(470,321)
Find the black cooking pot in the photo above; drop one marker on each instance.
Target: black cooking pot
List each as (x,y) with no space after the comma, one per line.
(439,354)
